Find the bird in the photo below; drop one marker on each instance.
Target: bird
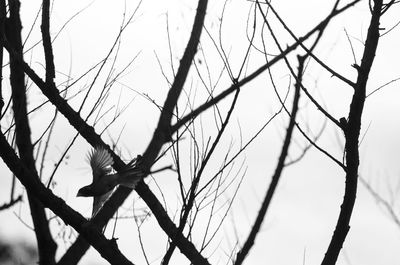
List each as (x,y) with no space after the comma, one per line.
(105,180)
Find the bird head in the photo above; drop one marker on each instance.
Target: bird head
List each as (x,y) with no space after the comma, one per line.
(85,191)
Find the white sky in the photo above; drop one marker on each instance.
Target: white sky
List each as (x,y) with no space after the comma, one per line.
(305,208)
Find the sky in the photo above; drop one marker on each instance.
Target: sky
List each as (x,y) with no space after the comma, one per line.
(304,210)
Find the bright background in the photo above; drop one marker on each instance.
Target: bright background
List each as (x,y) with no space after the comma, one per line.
(300,222)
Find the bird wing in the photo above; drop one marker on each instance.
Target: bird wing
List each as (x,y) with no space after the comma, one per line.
(98,202)
(100,161)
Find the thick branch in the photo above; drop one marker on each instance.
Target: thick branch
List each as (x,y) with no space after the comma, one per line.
(48,49)
(88,133)
(352,132)
(2,28)
(46,245)
(163,133)
(259,71)
(94,139)
(107,248)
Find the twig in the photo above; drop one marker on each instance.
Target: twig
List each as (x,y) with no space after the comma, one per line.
(9,204)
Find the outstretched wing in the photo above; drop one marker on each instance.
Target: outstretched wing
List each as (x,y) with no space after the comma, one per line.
(100,162)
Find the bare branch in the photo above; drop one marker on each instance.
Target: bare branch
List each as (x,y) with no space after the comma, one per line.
(48,49)
(241,255)
(352,132)
(108,248)
(247,79)
(46,244)
(7,205)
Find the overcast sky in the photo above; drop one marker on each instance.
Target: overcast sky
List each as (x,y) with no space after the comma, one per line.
(305,208)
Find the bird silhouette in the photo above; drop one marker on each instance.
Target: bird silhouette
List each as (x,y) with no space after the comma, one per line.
(104,180)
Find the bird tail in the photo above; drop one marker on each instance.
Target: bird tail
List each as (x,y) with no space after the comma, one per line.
(132,173)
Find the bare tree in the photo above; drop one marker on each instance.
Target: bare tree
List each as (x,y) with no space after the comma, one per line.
(190,143)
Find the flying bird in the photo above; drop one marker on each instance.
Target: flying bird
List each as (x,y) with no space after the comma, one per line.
(104,180)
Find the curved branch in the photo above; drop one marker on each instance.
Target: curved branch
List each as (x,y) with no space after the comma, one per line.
(330,70)
(107,248)
(260,70)
(163,132)
(241,255)
(118,197)
(352,133)
(46,245)
(89,134)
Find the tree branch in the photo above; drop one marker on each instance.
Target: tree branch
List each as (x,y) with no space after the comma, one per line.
(352,132)
(46,244)
(163,132)
(118,197)
(259,71)
(2,29)
(47,47)
(11,203)
(241,255)
(107,248)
